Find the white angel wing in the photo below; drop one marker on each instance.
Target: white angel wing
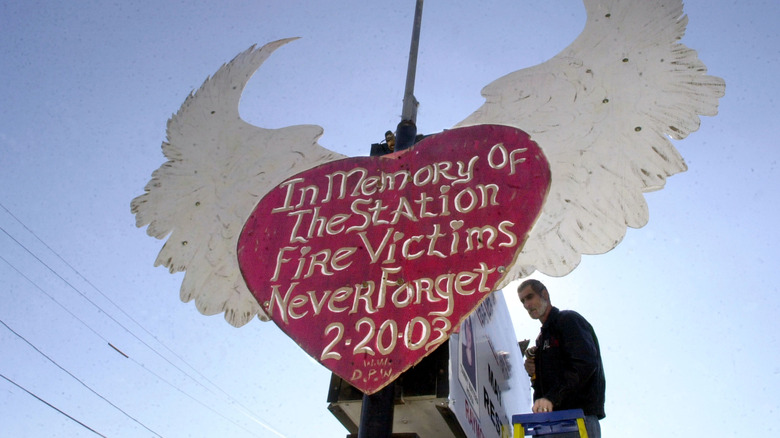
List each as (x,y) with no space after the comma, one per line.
(218,169)
(603,111)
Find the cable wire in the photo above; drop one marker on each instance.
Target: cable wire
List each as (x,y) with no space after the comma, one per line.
(52,406)
(142,366)
(76,378)
(244,410)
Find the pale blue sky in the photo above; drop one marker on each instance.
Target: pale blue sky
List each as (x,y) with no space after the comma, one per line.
(686,307)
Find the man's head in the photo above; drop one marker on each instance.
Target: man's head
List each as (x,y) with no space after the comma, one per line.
(390,139)
(535,298)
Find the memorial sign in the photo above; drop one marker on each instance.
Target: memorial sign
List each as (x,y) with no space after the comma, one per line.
(369,263)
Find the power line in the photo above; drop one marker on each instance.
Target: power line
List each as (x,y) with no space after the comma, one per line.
(62,306)
(244,410)
(76,378)
(86,280)
(142,366)
(51,406)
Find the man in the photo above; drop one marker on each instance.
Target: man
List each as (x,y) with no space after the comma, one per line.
(386,147)
(566,369)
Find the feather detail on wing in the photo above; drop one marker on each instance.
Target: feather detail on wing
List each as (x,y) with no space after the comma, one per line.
(218,169)
(603,111)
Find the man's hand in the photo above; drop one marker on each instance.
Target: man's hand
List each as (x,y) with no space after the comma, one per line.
(530,368)
(542,405)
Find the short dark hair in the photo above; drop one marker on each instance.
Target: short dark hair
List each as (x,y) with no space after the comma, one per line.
(537,286)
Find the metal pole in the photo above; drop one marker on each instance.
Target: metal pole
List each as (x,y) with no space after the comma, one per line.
(409,112)
(376,414)
(407,129)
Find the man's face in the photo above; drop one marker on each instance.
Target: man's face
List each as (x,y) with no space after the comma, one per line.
(390,139)
(535,305)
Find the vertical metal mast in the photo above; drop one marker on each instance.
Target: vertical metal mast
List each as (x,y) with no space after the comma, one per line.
(409,112)
(376,414)
(407,129)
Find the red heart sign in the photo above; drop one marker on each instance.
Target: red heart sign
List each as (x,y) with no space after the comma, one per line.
(369,263)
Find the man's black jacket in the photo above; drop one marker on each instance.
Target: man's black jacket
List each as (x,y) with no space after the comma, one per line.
(569,371)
